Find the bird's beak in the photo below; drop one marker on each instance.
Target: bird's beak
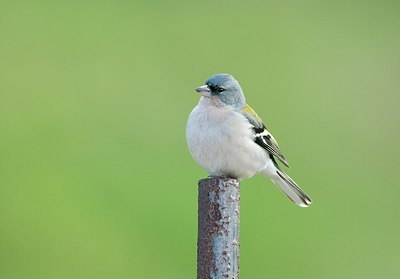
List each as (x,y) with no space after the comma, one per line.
(204,90)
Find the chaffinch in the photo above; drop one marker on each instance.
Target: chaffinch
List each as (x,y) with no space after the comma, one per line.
(227,138)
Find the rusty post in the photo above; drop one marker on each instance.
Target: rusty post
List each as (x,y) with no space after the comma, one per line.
(218,228)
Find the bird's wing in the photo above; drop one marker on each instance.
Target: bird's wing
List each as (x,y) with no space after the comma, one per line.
(262,136)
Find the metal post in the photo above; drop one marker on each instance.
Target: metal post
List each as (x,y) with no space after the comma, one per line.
(218,228)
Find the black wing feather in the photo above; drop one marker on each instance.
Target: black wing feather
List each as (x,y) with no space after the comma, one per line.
(264,139)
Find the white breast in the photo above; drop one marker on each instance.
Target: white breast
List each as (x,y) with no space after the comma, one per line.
(220,140)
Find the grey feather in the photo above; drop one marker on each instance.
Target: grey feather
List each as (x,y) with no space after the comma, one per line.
(306,200)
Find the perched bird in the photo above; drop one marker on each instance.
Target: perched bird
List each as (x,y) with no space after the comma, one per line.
(227,138)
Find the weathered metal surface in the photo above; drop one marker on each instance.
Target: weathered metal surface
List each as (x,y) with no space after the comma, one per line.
(218,228)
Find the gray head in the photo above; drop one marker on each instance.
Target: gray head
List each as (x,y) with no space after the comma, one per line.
(224,87)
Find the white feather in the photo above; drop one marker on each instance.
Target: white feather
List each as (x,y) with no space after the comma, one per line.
(221,141)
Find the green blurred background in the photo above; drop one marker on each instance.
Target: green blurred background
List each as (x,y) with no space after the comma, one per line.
(96,180)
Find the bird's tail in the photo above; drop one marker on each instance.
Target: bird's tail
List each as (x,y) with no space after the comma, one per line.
(291,190)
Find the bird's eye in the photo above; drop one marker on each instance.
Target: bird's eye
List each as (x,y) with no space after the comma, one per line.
(220,89)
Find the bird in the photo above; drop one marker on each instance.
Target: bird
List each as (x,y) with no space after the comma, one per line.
(227,138)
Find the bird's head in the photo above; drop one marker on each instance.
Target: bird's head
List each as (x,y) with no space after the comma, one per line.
(225,88)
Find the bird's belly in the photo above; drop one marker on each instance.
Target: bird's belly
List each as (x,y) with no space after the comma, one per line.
(221,142)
